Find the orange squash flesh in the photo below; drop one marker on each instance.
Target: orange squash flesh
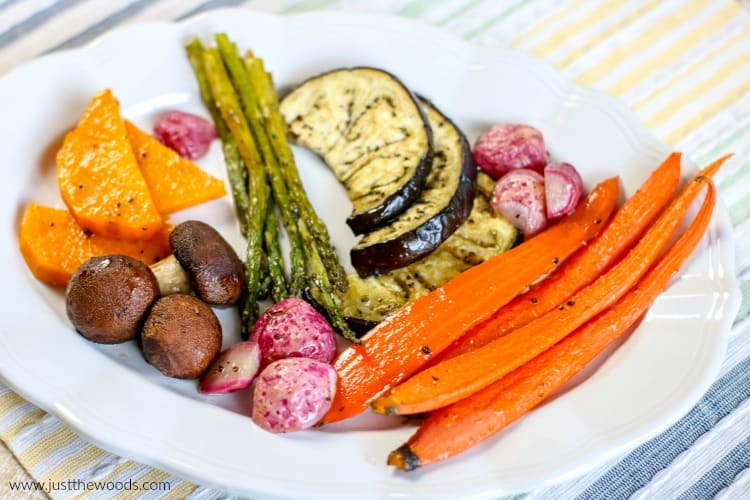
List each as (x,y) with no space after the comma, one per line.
(54,245)
(175,183)
(99,177)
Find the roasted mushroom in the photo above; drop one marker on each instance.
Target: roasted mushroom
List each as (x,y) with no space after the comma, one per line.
(108,297)
(201,260)
(181,336)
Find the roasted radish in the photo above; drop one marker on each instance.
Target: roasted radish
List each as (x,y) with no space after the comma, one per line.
(188,134)
(293,394)
(563,188)
(519,196)
(233,370)
(510,146)
(293,328)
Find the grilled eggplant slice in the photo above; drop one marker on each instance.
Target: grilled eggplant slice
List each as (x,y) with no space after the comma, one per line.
(370,131)
(484,234)
(443,205)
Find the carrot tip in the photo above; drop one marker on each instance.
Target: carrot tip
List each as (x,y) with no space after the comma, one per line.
(403,458)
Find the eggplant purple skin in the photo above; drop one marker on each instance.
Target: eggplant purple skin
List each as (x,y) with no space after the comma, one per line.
(399,201)
(416,244)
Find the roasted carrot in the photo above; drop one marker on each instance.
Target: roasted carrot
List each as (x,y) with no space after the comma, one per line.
(584,266)
(99,177)
(54,245)
(458,427)
(404,342)
(174,182)
(459,377)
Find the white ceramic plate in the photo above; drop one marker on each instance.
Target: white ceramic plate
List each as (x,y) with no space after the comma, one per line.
(112,397)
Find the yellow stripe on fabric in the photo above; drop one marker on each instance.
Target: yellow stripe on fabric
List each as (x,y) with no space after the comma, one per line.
(725,46)
(46,445)
(642,41)
(152,476)
(30,418)
(568,30)
(589,44)
(675,50)
(544,23)
(708,111)
(716,77)
(10,401)
(68,467)
(183,490)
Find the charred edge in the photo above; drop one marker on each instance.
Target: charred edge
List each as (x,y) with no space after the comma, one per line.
(403,458)
(423,240)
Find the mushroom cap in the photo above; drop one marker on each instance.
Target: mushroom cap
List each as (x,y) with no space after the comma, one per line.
(181,336)
(215,270)
(108,297)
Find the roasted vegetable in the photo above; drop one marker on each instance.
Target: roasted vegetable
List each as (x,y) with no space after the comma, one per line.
(99,177)
(293,328)
(233,370)
(484,234)
(108,298)
(174,182)
(563,188)
(293,394)
(54,245)
(181,336)
(187,134)
(443,205)
(519,196)
(509,146)
(369,129)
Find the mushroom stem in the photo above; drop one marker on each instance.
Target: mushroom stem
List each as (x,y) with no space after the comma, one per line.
(171,277)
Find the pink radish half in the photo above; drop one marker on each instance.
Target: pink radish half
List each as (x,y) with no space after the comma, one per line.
(232,370)
(519,197)
(293,394)
(188,134)
(563,189)
(293,328)
(510,146)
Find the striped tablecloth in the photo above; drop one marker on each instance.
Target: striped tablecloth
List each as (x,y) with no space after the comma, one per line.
(682,65)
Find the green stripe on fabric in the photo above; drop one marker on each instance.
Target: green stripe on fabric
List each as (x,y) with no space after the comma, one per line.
(745,306)
(494,20)
(305,5)
(735,176)
(417,8)
(722,145)
(466,8)
(740,211)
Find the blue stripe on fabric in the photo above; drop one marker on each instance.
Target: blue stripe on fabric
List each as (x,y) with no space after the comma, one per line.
(34,21)
(100,27)
(7,4)
(722,474)
(635,470)
(211,4)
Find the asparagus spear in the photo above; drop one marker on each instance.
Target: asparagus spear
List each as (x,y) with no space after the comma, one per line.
(236,172)
(275,261)
(287,205)
(229,107)
(320,280)
(269,106)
